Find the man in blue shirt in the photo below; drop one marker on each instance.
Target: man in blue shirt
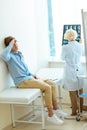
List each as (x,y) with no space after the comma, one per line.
(23,78)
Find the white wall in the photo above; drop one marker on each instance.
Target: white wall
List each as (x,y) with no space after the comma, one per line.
(17,19)
(27,21)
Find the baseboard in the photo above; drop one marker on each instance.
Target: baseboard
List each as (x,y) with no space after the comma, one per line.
(7,127)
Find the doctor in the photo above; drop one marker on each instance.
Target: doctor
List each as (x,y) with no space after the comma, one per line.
(71,54)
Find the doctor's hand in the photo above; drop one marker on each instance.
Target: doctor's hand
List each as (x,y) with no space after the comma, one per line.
(80,41)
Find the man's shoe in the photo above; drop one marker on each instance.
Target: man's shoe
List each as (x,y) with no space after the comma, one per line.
(54,119)
(60,113)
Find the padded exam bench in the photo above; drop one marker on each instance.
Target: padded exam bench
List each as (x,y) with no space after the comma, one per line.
(16,96)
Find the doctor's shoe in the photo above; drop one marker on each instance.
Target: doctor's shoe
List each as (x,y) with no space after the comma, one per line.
(54,119)
(60,113)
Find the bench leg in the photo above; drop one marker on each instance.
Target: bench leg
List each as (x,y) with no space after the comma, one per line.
(43,114)
(33,108)
(60,97)
(13,114)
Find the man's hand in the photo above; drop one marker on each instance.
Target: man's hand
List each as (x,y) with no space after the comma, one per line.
(12,42)
(35,77)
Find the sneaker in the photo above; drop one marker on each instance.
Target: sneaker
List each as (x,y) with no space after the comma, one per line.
(60,113)
(54,119)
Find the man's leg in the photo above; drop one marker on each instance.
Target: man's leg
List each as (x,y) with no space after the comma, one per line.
(57,111)
(46,88)
(40,84)
(54,93)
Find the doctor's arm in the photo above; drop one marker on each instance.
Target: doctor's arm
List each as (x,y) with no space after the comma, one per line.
(82,47)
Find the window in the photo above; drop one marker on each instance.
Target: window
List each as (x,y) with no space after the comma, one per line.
(61,13)
(51,29)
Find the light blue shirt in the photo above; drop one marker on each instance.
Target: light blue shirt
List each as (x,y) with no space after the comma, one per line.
(16,65)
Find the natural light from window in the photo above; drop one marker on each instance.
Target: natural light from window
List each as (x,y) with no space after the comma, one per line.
(65,12)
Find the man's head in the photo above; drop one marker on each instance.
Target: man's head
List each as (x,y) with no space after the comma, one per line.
(11,40)
(70,35)
(7,40)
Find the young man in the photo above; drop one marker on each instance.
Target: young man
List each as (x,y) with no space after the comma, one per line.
(23,78)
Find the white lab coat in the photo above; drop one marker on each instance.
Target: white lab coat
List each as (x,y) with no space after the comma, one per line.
(71,54)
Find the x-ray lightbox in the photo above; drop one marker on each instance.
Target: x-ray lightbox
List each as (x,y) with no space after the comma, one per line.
(76,27)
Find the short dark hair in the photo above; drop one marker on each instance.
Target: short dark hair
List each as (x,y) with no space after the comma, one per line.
(7,40)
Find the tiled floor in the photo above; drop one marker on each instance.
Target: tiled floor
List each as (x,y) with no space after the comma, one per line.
(69,124)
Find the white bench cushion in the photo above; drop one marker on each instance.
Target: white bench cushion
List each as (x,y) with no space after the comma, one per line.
(50,73)
(19,96)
